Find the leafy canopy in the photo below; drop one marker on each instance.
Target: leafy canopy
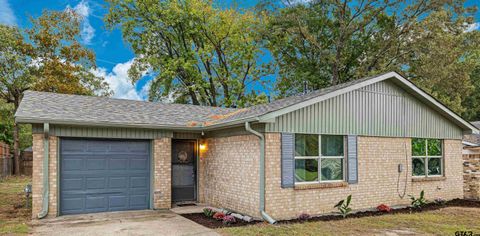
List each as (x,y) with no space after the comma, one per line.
(197,53)
(326,42)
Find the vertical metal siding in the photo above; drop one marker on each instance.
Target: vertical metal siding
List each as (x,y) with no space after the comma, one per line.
(103,132)
(380,109)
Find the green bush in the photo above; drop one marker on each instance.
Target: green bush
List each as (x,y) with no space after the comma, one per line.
(420,201)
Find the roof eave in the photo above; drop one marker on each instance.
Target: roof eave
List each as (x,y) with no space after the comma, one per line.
(28,120)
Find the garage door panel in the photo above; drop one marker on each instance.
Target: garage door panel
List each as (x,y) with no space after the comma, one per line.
(73,203)
(118,182)
(118,163)
(72,184)
(104,175)
(96,203)
(138,200)
(139,164)
(69,164)
(139,182)
(96,183)
(97,163)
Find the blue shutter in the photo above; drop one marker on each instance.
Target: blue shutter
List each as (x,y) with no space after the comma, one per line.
(352,161)
(288,161)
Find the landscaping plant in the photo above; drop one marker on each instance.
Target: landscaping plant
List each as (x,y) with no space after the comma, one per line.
(208,212)
(218,216)
(304,216)
(420,201)
(343,206)
(228,219)
(384,208)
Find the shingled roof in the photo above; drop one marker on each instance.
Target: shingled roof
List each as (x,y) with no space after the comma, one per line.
(40,107)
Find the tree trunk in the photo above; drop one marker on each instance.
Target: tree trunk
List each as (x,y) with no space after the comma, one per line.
(16,151)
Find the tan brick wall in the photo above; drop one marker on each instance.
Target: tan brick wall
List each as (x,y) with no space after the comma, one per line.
(378,160)
(37,175)
(229,173)
(162,156)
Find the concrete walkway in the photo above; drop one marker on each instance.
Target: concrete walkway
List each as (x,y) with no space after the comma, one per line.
(146,222)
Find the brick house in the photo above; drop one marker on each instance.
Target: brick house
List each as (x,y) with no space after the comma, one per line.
(378,139)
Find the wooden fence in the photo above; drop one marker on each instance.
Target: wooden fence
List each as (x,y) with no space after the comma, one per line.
(27,162)
(6,161)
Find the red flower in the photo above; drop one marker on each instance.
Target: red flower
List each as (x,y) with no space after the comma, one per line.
(218,216)
(384,208)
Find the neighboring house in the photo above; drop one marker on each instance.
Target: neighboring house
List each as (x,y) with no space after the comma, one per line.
(471,142)
(378,139)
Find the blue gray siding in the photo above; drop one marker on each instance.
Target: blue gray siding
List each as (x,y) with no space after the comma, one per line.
(380,109)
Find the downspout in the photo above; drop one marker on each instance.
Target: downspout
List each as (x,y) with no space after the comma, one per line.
(44,212)
(262,173)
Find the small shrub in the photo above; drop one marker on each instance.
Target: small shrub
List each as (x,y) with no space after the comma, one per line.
(440,201)
(218,216)
(343,206)
(304,216)
(228,220)
(418,202)
(208,212)
(384,208)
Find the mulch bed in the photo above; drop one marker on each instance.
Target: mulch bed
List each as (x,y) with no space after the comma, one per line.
(200,218)
(428,207)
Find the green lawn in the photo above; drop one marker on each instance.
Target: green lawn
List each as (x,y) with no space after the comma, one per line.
(445,221)
(14,216)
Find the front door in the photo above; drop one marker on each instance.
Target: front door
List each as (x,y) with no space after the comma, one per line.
(183,171)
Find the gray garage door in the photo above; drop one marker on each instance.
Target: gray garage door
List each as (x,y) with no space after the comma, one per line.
(104,175)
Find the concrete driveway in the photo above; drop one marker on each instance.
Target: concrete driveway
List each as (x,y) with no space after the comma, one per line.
(146,222)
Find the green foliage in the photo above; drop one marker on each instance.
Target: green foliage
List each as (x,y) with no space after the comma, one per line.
(62,64)
(197,53)
(343,206)
(328,42)
(418,202)
(208,212)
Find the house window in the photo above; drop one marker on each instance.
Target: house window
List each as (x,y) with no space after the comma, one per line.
(318,158)
(427,157)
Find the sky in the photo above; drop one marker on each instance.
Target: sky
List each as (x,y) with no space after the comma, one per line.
(114,56)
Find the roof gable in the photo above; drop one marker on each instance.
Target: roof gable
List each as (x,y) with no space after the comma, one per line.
(362,83)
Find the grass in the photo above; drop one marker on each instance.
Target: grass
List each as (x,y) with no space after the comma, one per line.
(14,215)
(445,221)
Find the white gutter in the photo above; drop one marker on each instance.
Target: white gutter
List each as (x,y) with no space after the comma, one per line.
(261,137)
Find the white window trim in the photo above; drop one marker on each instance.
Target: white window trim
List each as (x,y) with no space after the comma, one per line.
(426,158)
(319,163)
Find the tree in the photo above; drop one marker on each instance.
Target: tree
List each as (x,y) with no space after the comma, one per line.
(326,42)
(198,54)
(443,58)
(15,77)
(49,59)
(62,64)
